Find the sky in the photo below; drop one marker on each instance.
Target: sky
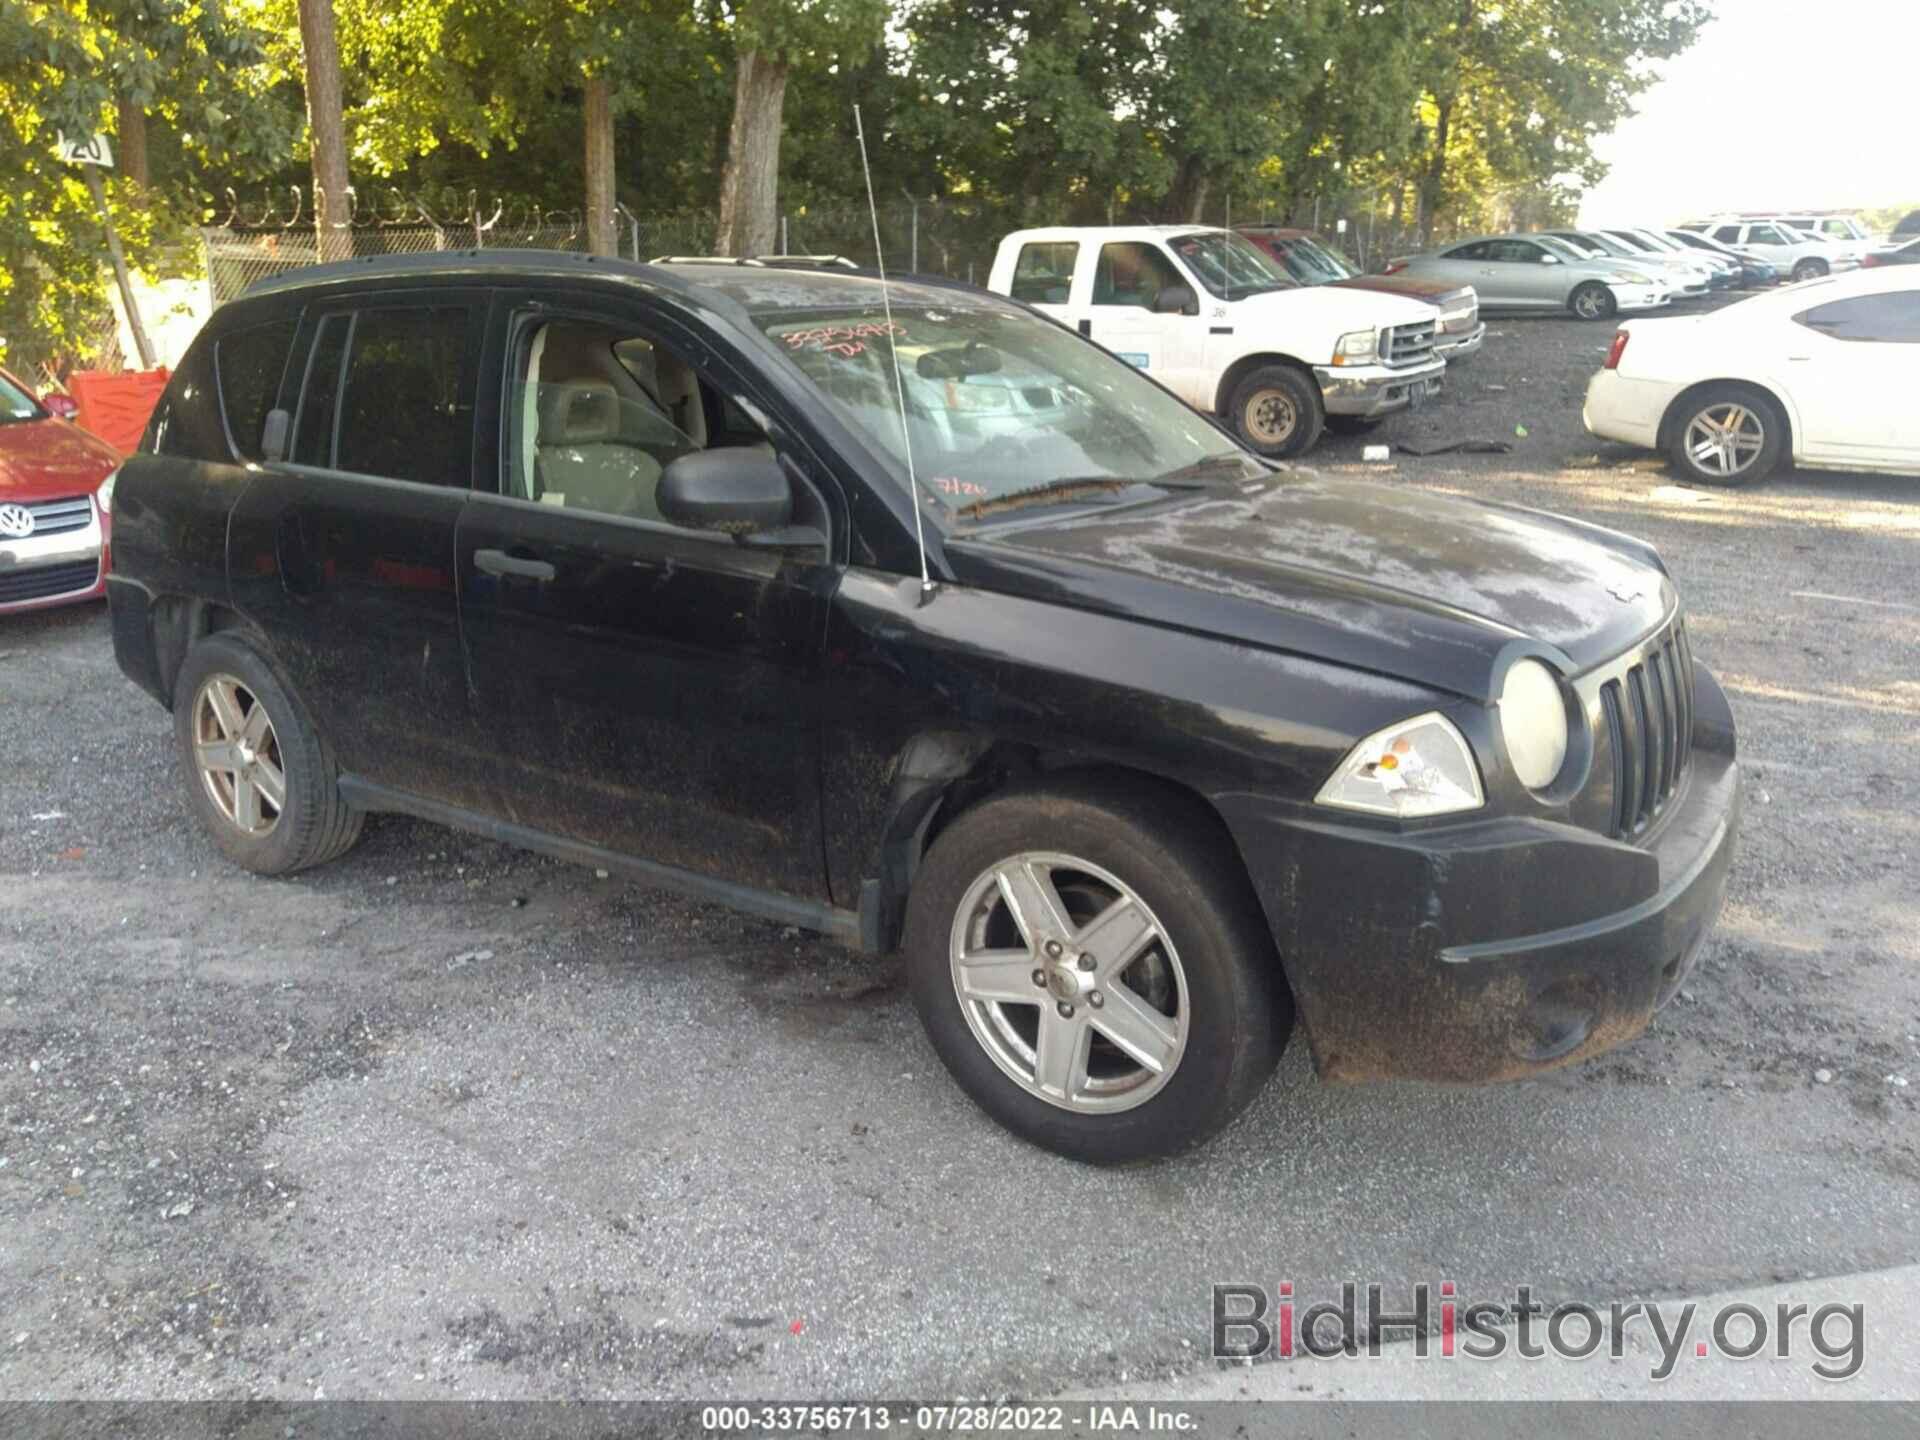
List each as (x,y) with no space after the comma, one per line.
(1780,104)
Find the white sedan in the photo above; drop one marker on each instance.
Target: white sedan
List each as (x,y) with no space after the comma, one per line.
(1826,372)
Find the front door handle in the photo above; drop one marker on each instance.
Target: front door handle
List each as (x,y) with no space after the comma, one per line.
(498,562)
(1086,328)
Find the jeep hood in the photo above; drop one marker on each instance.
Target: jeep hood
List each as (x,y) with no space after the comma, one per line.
(1422,587)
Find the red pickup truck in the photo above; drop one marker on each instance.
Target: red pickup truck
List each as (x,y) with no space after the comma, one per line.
(1311,262)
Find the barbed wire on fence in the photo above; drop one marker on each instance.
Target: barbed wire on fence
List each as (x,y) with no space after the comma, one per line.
(953,238)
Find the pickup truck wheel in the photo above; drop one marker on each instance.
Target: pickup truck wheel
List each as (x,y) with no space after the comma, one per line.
(1593,301)
(1277,411)
(1094,972)
(1726,435)
(258,774)
(1809,270)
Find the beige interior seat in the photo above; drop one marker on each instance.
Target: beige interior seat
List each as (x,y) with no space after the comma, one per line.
(582,459)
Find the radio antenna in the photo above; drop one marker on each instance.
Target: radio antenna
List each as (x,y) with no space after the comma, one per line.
(893,352)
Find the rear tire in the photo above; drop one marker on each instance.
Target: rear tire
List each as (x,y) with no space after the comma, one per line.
(1277,411)
(259,776)
(1726,434)
(1593,301)
(1809,270)
(1202,991)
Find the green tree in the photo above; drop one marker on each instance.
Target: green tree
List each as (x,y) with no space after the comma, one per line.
(1517,91)
(182,89)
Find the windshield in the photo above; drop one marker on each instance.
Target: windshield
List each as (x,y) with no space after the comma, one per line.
(1226,264)
(1315,264)
(1566,249)
(17,404)
(1002,403)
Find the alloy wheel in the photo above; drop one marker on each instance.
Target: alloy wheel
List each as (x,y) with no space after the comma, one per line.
(1725,439)
(238,755)
(1069,982)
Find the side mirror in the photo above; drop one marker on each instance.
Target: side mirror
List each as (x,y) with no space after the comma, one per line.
(273,436)
(1549,259)
(1176,300)
(56,403)
(735,490)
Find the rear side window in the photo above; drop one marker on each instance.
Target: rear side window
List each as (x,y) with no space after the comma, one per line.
(1044,272)
(1728,234)
(389,392)
(249,364)
(1887,319)
(1477,251)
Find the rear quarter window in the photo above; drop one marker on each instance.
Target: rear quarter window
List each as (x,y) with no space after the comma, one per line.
(1043,274)
(249,364)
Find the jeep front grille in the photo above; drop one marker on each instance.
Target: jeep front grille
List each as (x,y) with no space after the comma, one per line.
(1648,714)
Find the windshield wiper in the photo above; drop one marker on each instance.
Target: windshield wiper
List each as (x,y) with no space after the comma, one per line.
(1187,477)
(1071,488)
(1202,467)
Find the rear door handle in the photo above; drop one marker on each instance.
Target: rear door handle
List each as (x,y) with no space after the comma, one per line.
(498,562)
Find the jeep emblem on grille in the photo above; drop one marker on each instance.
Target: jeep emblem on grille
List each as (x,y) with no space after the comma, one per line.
(16,522)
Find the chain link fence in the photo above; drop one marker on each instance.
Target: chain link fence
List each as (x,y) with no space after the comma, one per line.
(951,238)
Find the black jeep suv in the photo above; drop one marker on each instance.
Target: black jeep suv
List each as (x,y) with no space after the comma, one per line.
(1163,747)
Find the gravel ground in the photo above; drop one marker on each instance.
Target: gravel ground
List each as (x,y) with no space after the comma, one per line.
(444,1119)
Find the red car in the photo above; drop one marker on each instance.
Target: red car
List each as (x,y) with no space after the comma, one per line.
(1311,263)
(54,504)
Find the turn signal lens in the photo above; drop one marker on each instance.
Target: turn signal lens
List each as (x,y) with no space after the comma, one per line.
(1419,767)
(1616,350)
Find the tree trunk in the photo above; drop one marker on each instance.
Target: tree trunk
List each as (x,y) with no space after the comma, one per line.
(749,186)
(601,237)
(132,137)
(1432,181)
(332,210)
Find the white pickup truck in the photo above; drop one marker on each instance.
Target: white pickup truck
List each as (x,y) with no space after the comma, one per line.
(1212,318)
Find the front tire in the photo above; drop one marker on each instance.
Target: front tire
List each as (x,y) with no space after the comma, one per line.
(1809,270)
(1593,301)
(259,776)
(1277,411)
(1726,434)
(1094,970)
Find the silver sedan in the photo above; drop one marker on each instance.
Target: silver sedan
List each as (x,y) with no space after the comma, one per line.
(1519,272)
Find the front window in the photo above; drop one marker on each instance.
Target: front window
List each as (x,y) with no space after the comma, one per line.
(17,404)
(1228,265)
(1004,410)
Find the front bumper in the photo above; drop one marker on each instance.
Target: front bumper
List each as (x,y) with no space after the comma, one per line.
(1641,295)
(1370,390)
(60,569)
(1453,348)
(1497,948)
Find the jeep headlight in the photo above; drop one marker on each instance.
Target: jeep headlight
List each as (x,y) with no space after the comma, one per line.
(1533,721)
(1418,767)
(1355,347)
